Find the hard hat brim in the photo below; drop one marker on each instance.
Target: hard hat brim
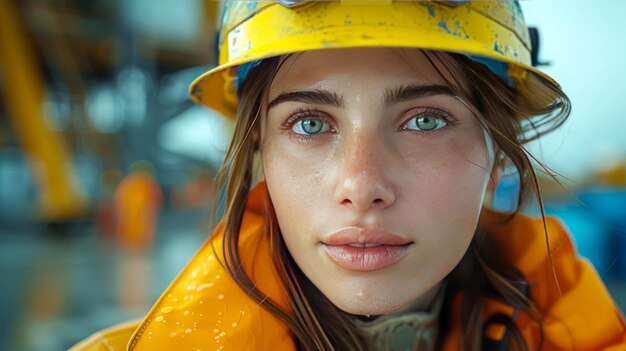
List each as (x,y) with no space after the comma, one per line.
(406,25)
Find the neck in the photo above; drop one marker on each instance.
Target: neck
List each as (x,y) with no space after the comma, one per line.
(416,327)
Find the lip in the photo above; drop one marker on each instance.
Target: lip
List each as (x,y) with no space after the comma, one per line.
(365,249)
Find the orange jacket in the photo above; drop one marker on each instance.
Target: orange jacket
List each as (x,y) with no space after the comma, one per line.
(203,309)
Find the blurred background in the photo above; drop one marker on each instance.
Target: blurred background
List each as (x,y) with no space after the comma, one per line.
(106,167)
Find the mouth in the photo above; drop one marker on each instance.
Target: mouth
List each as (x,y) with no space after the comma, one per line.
(367,246)
(365,249)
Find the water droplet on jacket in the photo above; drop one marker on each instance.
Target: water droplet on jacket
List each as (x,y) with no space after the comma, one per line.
(204,286)
(187,331)
(167,309)
(220,297)
(186,313)
(234,325)
(159,319)
(173,334)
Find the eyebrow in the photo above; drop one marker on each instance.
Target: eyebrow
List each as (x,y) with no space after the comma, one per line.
(321,97)
(390,97)
(410,92)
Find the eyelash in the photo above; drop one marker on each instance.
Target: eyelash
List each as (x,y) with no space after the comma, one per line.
(300,114)
(429,111)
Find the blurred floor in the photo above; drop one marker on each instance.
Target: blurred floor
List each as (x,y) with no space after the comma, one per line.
(59,288)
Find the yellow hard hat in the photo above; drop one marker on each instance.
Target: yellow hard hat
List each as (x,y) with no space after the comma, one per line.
(490,32)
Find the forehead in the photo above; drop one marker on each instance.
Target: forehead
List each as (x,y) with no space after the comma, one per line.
(347,67)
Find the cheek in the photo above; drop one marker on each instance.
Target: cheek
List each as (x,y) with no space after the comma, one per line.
(443,201)
(294,183)
(445,187)
(452,180)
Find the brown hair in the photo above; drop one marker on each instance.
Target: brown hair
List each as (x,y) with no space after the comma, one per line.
(512,120)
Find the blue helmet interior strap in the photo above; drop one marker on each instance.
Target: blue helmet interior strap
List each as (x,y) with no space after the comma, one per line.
(242,72)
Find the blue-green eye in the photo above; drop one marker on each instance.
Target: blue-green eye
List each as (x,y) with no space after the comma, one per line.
(310,126)
(425,123)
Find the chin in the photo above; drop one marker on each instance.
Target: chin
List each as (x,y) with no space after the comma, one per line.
(367,308)
(358,298)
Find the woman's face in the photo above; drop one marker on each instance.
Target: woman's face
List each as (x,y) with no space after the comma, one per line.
(376,171)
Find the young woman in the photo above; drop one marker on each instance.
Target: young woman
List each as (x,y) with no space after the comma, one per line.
(379,130)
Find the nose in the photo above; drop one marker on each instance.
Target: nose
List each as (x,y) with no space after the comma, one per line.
(362,174)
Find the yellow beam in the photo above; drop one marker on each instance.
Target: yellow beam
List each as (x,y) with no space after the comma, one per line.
(59,198)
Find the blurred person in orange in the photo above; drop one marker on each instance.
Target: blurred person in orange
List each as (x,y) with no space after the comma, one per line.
(136,205)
